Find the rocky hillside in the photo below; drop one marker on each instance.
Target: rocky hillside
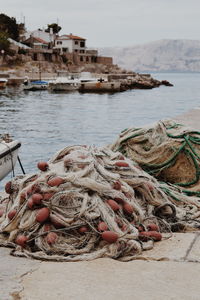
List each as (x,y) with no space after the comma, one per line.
(24,64)
(158,56)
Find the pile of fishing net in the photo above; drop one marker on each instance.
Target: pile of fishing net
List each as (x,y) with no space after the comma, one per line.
(89,202)
(166,150)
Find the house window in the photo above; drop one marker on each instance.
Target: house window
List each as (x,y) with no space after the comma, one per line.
(82,51)
(87,58)
(81,58)
(76,42)
(59,43)
(82,44)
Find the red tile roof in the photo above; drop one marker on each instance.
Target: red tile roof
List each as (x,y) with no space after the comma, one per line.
(72,37)
(62,37)
(40,40)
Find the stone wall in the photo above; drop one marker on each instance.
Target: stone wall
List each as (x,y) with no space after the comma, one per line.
(104,60)
(52,61)
(88,58)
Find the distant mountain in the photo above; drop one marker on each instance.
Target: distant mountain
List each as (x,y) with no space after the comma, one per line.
(158,56)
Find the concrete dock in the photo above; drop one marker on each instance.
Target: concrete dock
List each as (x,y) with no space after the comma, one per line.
(169,271)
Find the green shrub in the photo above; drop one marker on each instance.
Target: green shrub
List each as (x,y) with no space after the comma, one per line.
(22,51)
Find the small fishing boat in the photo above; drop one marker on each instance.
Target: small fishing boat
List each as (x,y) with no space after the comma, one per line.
(64,84)
(37,85)
(3,82)
(8,155)
(72,83)
(100,86)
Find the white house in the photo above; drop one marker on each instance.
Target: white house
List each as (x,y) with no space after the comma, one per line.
(70,43)
(36,43)
(48,37)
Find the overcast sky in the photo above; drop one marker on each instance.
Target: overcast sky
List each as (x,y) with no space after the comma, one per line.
(111,22)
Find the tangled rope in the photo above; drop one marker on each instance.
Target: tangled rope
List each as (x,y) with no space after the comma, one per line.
(90,202)
(166,150)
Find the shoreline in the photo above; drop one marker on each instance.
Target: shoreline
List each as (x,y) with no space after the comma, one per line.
(128,80)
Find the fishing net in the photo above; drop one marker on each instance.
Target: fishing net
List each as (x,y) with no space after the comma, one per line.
(167,150)
(90,202)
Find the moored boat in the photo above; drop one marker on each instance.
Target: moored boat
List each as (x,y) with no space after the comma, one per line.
(100,86)
(37,85)
(3,82)
(82,82)
(8,155)
(64,84)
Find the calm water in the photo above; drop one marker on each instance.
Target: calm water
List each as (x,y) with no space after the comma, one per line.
(46,122)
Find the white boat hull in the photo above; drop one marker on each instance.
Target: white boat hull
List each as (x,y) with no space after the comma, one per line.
(38,85)
(68,85)
(8,157)
(36,88)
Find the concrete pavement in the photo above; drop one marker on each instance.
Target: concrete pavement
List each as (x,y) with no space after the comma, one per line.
(169,271)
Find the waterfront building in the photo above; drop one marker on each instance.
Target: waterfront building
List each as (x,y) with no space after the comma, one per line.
(70,43)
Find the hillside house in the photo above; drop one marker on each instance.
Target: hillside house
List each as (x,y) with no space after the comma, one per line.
(74,48)
(70,43)
(48,37)
(70,48)
(40,49)
(36,43)
(76,45)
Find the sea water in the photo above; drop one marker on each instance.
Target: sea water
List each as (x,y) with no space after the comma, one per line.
(46,122)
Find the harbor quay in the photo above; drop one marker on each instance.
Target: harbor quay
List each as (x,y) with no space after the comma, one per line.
(127,81)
